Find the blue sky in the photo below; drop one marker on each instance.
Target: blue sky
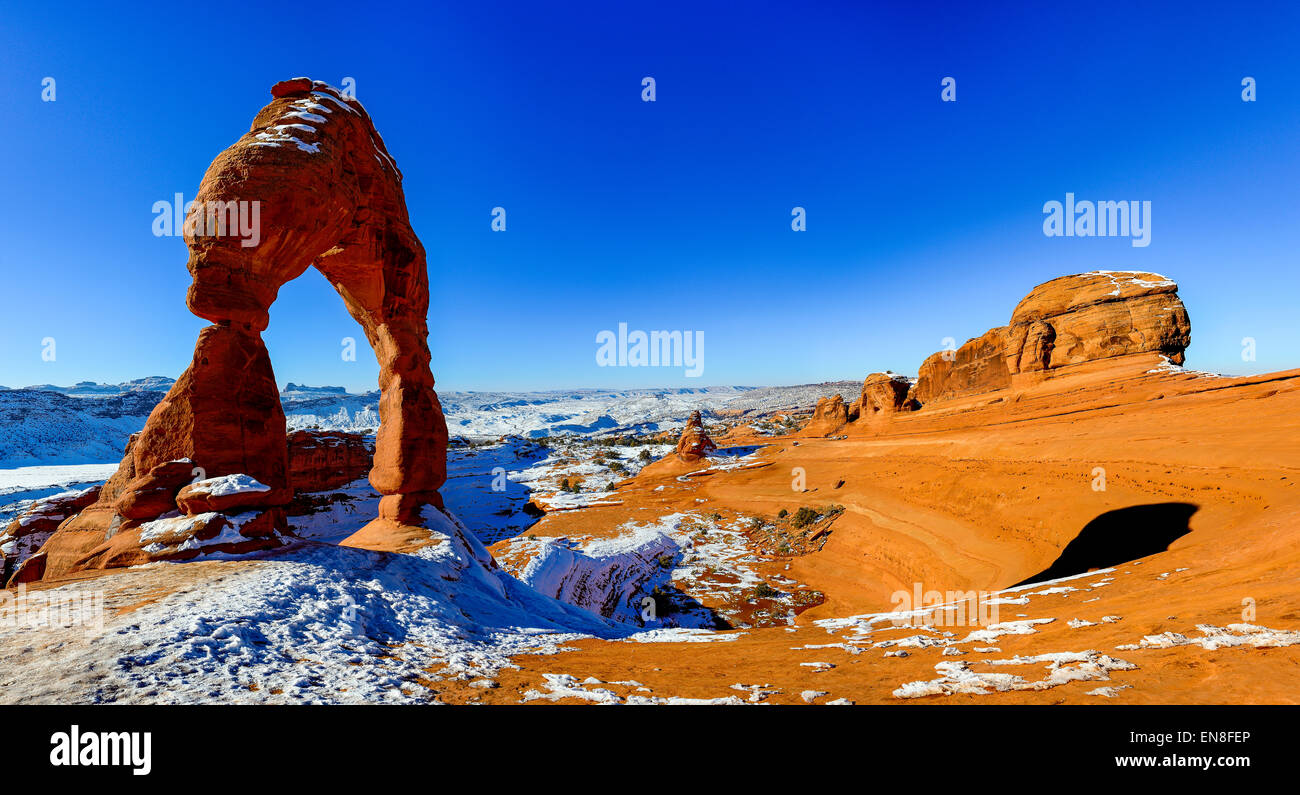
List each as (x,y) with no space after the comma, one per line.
(924,217)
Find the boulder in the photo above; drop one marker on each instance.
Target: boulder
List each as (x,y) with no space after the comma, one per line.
(188,537)
(46,514)
(154,494)
(227,493)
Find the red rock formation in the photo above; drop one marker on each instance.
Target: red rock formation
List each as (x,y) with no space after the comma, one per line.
(694,444)
(310,184)
(1067,321)
(46,514)
(29,531)
(829,415)
(188,537)
(321,460)
(1093,316)
(977,366)
(884,394)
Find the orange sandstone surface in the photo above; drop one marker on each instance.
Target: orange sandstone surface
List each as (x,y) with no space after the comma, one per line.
(989,492)
(1067,443)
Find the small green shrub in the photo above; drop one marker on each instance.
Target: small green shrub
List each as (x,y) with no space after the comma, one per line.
(804,517)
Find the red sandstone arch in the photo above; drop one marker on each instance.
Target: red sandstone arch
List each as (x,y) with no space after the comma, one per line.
(328,195)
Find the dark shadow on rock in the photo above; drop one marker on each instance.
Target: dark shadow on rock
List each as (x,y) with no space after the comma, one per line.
(1119,536)
(674,608)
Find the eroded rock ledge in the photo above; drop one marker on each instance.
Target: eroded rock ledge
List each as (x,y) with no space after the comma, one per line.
(1068,321)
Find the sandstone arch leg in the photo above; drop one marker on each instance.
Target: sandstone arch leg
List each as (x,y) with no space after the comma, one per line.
(222,416)
(383,280)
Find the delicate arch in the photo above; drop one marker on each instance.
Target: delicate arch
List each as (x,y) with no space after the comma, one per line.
(311,183)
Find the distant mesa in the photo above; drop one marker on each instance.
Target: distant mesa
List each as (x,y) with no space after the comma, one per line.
(153,383)
(291,387)
(158,383)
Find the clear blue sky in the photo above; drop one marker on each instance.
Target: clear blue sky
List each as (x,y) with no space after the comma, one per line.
(924,217)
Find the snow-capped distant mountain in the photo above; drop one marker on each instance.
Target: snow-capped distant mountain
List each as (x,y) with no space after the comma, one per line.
(90,423)
(154,383)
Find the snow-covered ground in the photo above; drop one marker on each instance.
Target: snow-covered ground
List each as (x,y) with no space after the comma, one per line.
(314,622)
(488,485)
(308,623)
(482,489)
(591,470)
(317,623)
(697,568)
(26,538)
(583,412)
